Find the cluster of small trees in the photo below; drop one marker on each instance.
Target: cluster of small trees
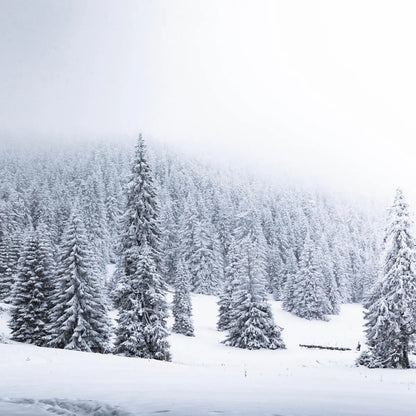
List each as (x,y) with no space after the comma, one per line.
(201,211)
(59,304)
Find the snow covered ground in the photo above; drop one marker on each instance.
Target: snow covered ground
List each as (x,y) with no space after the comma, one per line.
(208,378)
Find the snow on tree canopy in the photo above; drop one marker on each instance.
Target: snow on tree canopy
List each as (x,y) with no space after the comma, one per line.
(79,317)
(141,290)
(182,306)
(391,314)
(251,324)
(32,290)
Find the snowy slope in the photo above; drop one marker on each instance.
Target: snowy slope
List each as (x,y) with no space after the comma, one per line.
(208,378)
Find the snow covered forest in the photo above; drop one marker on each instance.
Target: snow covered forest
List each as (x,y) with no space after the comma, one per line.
(104,247)
(207,207)
(201,207)
(304,248)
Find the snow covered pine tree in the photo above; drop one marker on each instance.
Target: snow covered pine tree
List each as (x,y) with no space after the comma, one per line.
(251,320)
(141,290)
(391,314)
(306,287)
(79,316)
(232,283)
(9,258)
(32,290)
(182,306)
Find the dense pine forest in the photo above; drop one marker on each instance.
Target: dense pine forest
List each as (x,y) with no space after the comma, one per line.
(201,229)
(207,207)
(168,222)
(201,209)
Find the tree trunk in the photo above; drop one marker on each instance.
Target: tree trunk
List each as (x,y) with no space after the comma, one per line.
(405,358)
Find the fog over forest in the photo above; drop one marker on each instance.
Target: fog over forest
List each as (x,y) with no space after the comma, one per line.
(207,207)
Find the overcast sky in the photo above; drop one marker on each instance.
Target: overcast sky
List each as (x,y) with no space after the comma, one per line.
(324,89)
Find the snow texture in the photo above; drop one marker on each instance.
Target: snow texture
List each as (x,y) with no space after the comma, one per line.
(208,378)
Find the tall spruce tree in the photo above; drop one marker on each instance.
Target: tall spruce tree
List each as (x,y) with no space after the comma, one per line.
(205,260)
(290,271)
(251,321)
(170,242)
(5,280)
(10,249)
(330,284)
(231,285)
(79,318)
(308,297)
(32,290)
(182,306)
(141,290)
(391,315)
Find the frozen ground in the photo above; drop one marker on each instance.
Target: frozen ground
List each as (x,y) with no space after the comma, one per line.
(208,378)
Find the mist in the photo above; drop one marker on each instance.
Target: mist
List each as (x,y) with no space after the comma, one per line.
(322,91)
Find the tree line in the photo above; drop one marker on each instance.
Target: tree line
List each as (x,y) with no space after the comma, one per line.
(168,222)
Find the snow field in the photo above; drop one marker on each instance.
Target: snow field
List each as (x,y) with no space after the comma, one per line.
(208,378)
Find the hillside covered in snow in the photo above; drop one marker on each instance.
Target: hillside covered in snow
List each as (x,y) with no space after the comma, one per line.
(207,378)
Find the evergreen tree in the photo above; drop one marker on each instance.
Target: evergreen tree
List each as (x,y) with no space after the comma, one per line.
(340,274)
(170,243)
(182,306)
(290,271)
(309,299)
(32,290)
(204,262)
(5,281)
(92,200)
(10,248)
(330,285)
(232,283)
(251,320)
(277,251)
(188,226)
(391,316)
(79,318)
(141,289)
(141,330)
(113,207)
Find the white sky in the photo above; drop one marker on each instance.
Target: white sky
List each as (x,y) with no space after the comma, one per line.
(323,89)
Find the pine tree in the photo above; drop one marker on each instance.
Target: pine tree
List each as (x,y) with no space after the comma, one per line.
(204,262)
(92,194)
(204,258)
(232,283)
(251,320)
(170,243)
(32,290)
(188,225)
(141,289)
(182,306)
(79,318)
(141,330)
(290,271)
(340,274)
(309,299)
(10,248)
(5,282)
(113,206)
(391,316)
(330,285)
